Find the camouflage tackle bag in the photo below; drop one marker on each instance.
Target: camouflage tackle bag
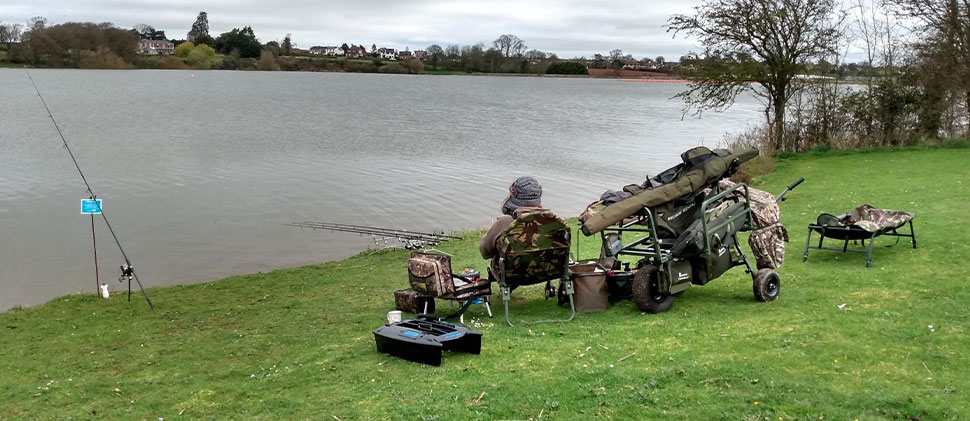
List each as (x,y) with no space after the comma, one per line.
(412,301)
(768,236)
(430,274)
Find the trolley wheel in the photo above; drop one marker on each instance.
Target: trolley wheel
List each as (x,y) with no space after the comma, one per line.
(766,285)
(646,291)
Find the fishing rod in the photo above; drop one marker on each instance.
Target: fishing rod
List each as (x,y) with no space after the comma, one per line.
(127,270)
(412,239)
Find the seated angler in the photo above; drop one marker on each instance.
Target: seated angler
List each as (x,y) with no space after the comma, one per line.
(525,195)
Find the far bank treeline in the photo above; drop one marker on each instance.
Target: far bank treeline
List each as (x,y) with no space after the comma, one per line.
(105,46)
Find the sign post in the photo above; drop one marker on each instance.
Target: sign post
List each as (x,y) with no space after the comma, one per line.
(92,207)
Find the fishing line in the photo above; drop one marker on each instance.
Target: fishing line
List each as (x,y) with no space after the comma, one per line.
(127,269)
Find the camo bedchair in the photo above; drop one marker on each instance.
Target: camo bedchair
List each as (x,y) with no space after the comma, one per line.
(860,224)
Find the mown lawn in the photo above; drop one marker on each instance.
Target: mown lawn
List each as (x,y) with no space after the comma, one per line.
(842,342)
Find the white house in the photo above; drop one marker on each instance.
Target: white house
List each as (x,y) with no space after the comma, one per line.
(326,51)
(387,53)
(156,47)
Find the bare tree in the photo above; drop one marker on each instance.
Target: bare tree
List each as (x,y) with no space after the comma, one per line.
(34,24)
(509,45)
(944,46)
(10,33)
(536,55)
(878,31)
(146,31)
(767,42)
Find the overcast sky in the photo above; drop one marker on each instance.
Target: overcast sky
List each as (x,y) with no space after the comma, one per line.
(566,27)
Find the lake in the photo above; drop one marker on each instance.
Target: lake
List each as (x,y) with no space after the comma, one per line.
(200,170)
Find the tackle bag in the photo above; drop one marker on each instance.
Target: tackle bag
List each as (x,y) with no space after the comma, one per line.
(430,274)
(412,301)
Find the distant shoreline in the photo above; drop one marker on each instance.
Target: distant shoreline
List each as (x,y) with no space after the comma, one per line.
(655,79)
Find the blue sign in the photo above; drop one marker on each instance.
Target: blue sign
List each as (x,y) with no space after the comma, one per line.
(90,206)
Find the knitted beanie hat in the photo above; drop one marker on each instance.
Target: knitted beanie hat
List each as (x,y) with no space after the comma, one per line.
(525,191)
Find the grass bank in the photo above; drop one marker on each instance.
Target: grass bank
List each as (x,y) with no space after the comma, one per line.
(842,341)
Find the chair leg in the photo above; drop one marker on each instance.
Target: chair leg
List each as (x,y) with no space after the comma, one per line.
(572,305)
(912,233)
(506,296)
(869,256)
(808,242)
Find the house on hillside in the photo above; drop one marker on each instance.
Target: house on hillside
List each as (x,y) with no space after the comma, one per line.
(404,55)
(326,51)
(156,47)
(357,51)
(420,54)
(631,65)
(387,53)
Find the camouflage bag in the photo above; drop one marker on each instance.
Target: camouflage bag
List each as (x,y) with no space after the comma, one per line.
(535,248)
(412,301)
(768,236)
(430,274)
(875,220)
(768,246)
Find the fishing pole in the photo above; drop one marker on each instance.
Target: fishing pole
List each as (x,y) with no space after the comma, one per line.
(126,270)
(362,229)
(411,239)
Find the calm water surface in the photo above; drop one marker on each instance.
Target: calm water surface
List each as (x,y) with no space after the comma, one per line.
(198,171)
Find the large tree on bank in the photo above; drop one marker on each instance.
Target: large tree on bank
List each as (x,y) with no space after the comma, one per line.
(199,34)
(242,41)
(758,46)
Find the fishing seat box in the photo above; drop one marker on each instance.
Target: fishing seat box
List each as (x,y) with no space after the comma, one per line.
(412,301)
(589,280)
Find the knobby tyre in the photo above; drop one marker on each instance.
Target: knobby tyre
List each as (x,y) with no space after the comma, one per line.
(767,285)
(646,291)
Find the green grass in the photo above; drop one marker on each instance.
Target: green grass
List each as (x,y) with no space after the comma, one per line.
(842,342)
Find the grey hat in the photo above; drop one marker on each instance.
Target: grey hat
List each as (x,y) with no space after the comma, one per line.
(525,191)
